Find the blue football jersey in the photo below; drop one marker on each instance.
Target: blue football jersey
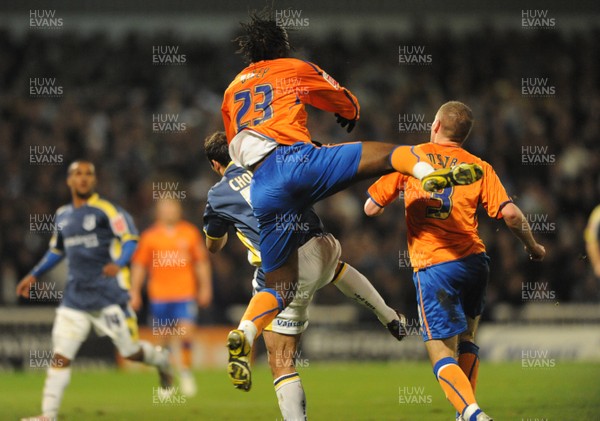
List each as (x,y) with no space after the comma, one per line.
(228,205)
(90,237)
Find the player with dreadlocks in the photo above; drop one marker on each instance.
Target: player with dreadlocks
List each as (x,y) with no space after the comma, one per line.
(265,122)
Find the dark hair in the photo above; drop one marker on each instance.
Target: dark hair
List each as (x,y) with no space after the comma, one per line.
(263,38)
(216,148)
(456,119)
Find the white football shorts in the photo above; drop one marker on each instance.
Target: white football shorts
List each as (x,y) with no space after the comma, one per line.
(317,262)
(72,327)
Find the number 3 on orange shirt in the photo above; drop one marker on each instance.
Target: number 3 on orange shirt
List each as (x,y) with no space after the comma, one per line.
(445,204)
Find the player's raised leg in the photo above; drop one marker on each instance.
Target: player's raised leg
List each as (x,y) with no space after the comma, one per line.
(382,158)
(356,286)
(262,309)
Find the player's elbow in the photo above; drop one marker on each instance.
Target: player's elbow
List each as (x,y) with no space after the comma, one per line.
(372,209)
(215,245)
(212,246)
(512,215)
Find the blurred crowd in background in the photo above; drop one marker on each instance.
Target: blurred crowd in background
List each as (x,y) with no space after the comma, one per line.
(112,90)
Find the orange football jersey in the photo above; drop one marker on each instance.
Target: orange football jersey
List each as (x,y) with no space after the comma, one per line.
(269,97)
(442,226)
(169,255)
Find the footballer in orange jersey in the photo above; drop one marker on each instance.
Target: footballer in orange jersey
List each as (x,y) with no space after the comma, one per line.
(450,264)
(173,256)
(265,121)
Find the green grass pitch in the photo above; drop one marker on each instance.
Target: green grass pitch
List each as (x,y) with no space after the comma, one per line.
(335,391)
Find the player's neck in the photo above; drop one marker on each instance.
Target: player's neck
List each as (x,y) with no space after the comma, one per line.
(446,142)
(170,224)
(79,201)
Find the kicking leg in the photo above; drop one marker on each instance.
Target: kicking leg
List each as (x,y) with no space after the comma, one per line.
(382,158)
(262,309)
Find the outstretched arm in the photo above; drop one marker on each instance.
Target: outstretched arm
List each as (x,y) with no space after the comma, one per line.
(517,223)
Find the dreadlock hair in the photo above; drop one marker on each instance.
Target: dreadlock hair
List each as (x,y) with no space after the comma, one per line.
(215,148)
(263,38)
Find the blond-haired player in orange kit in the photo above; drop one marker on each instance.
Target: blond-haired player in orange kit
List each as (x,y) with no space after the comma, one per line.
(173,255)
(450,265)
(265,122)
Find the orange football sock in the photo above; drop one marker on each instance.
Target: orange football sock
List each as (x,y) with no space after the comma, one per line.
(455,383)
(405,161)
(468,361)
(263,308)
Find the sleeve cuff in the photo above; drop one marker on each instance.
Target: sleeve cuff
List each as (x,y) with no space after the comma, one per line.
(374,201)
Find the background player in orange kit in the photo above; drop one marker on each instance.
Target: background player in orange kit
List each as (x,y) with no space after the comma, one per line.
(173,255)
(265,122)
(449,259)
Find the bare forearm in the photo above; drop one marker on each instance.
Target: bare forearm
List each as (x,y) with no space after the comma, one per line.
(517,223)
(521,229)
(138,275)
(204,276)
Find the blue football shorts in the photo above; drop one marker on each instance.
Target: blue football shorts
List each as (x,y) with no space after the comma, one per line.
(290,180)
(169,313)
(449,292)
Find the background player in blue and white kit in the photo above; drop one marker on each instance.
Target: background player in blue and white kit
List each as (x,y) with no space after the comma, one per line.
(98,239)
(319,253)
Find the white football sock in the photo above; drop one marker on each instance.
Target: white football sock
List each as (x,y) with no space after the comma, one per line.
(290,396)
(354,285)
(421,169)
(249,329)
(154,355)
(57,380)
